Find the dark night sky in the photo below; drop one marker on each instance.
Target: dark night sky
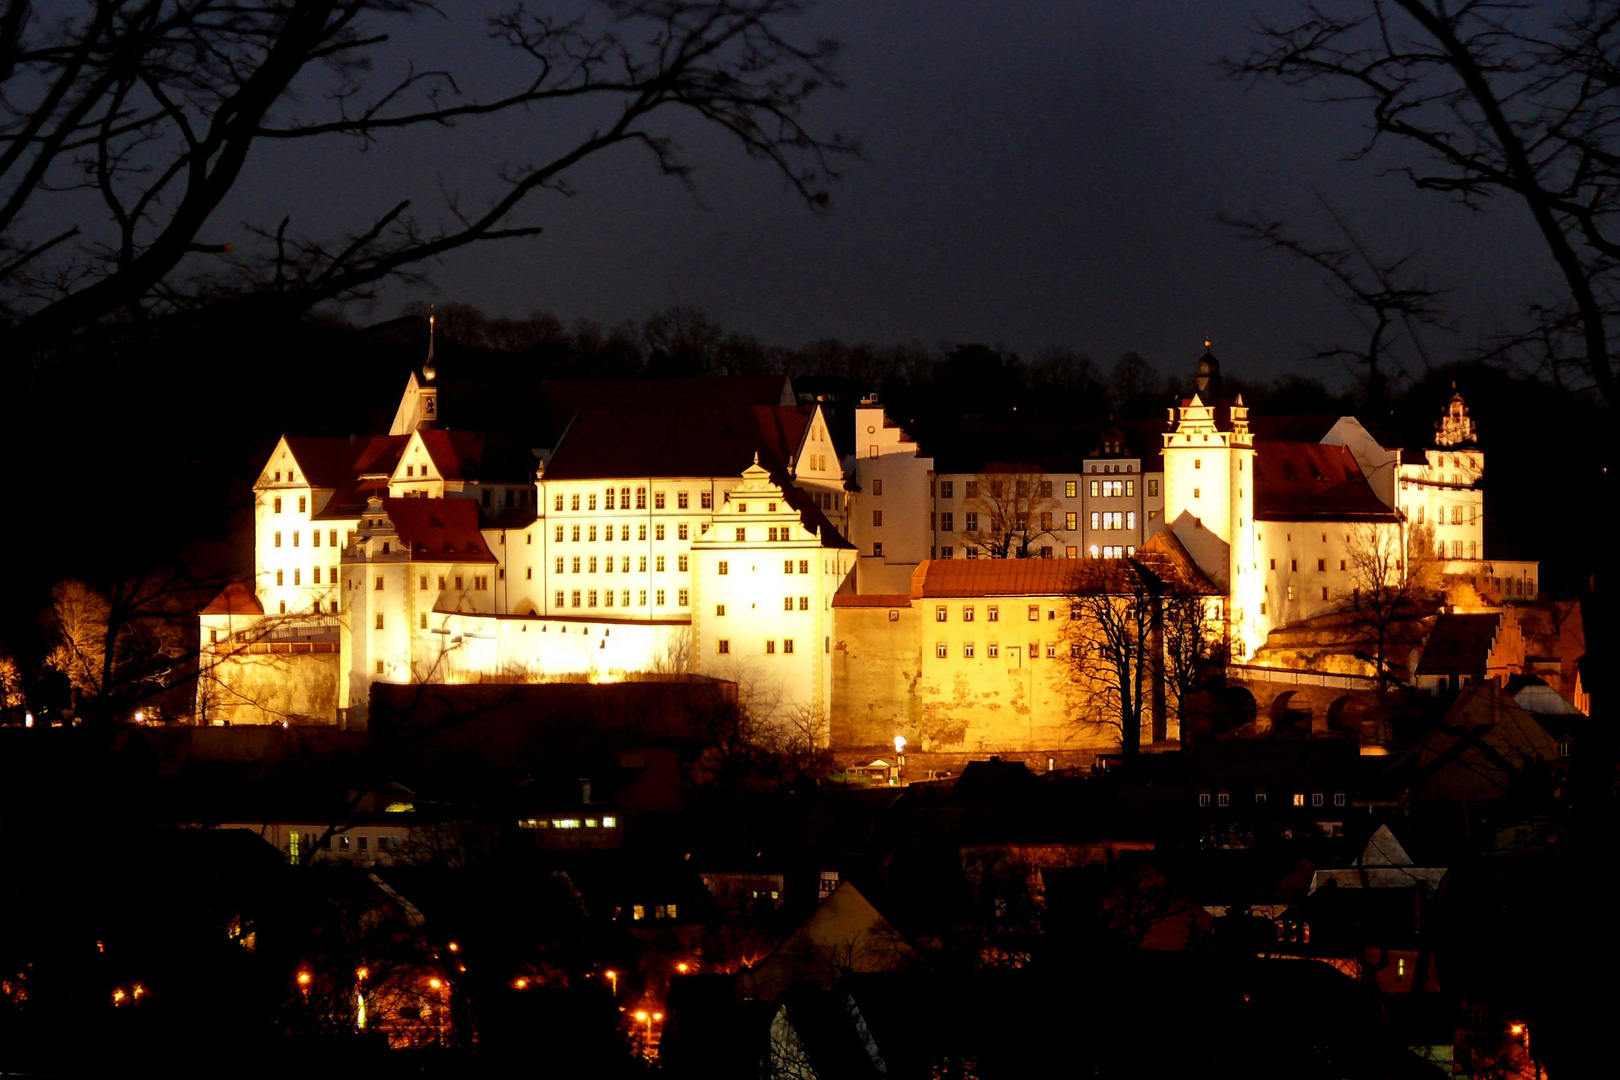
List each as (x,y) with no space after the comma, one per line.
(1034,174)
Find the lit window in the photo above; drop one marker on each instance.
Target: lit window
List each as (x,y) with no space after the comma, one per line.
(940,613)
(967,650)
(723,646)
(1299,798)
(1223,799)
(941,650)
(787,645)
(1034,613)
(992,650)
(770,646)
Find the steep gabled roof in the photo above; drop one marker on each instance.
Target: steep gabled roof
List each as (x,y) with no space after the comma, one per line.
(668,440)
(1307,481)
(325,463)
(479,456)
(237,598)
(1168,559)
(374,456)
(439,530)
(1459,645)
(810,514)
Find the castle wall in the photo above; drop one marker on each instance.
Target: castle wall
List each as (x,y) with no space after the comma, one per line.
(270,683)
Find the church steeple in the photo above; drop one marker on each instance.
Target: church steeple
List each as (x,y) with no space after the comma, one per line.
(1207,380)
(428,394)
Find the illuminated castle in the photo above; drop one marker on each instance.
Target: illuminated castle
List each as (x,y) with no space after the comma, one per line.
(711,527)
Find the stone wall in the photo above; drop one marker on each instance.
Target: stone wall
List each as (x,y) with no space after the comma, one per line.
(270,683)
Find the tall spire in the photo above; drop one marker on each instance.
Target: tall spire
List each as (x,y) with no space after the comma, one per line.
(428,370)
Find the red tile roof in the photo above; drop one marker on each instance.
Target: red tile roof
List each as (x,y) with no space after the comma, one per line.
(325,463)
(235,599)
(810,514)
(478,456)
(673,440)
(439,530)
(375,455)
(1459,645)
(1306,481)
(1020,577)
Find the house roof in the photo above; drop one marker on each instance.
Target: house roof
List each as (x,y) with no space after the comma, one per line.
(439,530)
(237,598)
(810,514)
(374,456)
(1459,645)
(670,439)
(326,463)
(479,456)
(1307,481)
(1020,577)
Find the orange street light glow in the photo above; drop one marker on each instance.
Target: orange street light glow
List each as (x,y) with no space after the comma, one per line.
(520,984)
(682,967)
(640,1013)
(1516,1029)
(362,973)
(454,947)
(658,1016)
(435,983)
(303,978)
(118,996)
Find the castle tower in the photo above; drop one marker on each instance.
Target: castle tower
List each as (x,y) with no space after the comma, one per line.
(1209,495)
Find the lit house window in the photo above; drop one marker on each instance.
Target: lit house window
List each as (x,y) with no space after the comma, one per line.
(941,650)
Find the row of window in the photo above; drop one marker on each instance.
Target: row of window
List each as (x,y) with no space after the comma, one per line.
(683,531)
(587,564)
(992,650)
(314,536)
(619,499)
(588,598)
(992,613)
(607,821)
(1321,565)
(1223,798)
(303,503)
(723,646)
(1457,515)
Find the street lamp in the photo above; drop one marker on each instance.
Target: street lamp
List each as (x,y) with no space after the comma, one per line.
(683,967)
(613,981)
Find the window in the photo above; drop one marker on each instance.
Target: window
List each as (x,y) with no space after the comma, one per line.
(278,540)
(970,522)
(804,566)
(967,613)
(742,535)
(993,613)
(641,564)
(947,488)
(877,549)
(1070,490)
(658,598)
(658,500)
(1051,650)
(278,578)
(787,603)
(706,500)
(1223,799)
(1198,463)
(1316,798)
(560,599)
(573,598)
(719,610)
(278,504)
(379,583)
(787,645)
(877,519)
(1203,798)
(967,650)
(297,575)
(1341,564)
(421,621)
(947,523)
(1259,798)
(331,538)
(804,603)
(658,564)
(683,597)
(1274,564)
(770,646)
(1321,565)
(683,531)
(941,650)
(641,498)
(1324,592)
(1034,613)
(1046,521)
(1046,489)
(723,646)
(658,532)
(1338,798)
(1096,520)
(683,563)
(1095,488)
(1293,564)
(1299,798)
(970,489)
(1070,521)
(379,621)
(992,650)
(723,568)
(1198,493)
(380,668)
(682,501)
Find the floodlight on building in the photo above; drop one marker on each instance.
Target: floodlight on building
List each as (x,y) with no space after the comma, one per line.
(899,744)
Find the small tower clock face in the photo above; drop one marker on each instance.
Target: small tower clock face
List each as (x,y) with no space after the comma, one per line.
(431,405)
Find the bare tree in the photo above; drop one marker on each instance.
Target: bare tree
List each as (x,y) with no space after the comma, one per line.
(1394,582)
(1513,100)
(124,646)
(1011,508)
(1112,660)
(1192,645)
(150,111)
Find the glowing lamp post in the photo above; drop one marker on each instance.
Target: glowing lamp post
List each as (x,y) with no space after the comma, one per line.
(648,1018)
(900,753)
(683,967)
(613,981)
(304,979)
